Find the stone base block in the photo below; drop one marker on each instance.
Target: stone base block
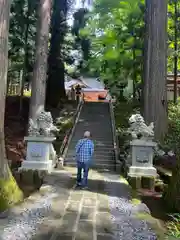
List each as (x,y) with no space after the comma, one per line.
(27,177)
(148,183)
(34,165)
(118,167)
(142,172)
(38,178)
(31,178)
(135,182)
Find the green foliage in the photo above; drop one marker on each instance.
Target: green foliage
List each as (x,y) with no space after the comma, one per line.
(173,137)
(22,36)
(65,124)
(23,17)
(174,226)
(81,39)
(172,142)
(123,111)
(116,32)
(171,33)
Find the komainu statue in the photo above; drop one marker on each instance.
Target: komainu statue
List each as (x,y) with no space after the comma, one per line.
(42,126)
(139,129)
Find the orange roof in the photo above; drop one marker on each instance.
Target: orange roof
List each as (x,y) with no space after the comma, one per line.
(93,96)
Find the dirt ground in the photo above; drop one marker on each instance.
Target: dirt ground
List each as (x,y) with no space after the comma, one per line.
(15,128)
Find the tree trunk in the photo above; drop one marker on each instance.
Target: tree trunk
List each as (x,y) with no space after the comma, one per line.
(172,194)
(155,81)
(134,72)
(9,191)
(4,28)
(40,66)
(25,61)
(55,84)
(175,49)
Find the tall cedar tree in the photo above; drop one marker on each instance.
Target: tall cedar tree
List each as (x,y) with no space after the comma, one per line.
(56,70)
(155,93)
(9,190)
(40,66)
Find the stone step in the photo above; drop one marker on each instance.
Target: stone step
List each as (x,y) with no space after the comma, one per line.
(96,129)
(84,121)
(95,166)
(104,142)
(94,162)
(96,133)
(100,143)
(96,136)
(98,111)
(106,151)
(100,152)
(96,155)
(95,117)
(97,144)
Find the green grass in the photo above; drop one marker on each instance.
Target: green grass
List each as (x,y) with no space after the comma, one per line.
(174,226)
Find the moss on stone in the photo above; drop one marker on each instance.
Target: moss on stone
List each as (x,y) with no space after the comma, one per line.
(144,216)
(10,193)
(135,182)
(160,186)
(123,180)
(148,182)
(135,201)
(135,194)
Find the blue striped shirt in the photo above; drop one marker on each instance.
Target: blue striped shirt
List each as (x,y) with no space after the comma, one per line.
(84,150)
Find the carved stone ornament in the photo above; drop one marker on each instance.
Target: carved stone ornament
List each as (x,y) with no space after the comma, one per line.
(139,129)
(42,126)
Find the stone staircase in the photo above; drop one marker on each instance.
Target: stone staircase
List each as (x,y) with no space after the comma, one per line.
(95,117)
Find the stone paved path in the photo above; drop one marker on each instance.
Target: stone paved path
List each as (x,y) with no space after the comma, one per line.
(62,212)
(83,215)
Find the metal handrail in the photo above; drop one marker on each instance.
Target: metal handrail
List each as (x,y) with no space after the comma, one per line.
(115,137)
(68,137)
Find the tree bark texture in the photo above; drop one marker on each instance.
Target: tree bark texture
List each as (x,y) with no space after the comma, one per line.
(55,84)
(40,66)
(9,190)
(175,50)
(172,193)
(4,32)
(155,81)
(25,61)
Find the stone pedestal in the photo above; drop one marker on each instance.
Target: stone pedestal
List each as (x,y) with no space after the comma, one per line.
(40,154)
(142,159)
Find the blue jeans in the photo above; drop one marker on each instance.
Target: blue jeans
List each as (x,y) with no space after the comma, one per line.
(85,167)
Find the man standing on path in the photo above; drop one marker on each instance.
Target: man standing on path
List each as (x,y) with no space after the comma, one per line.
(84,153)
